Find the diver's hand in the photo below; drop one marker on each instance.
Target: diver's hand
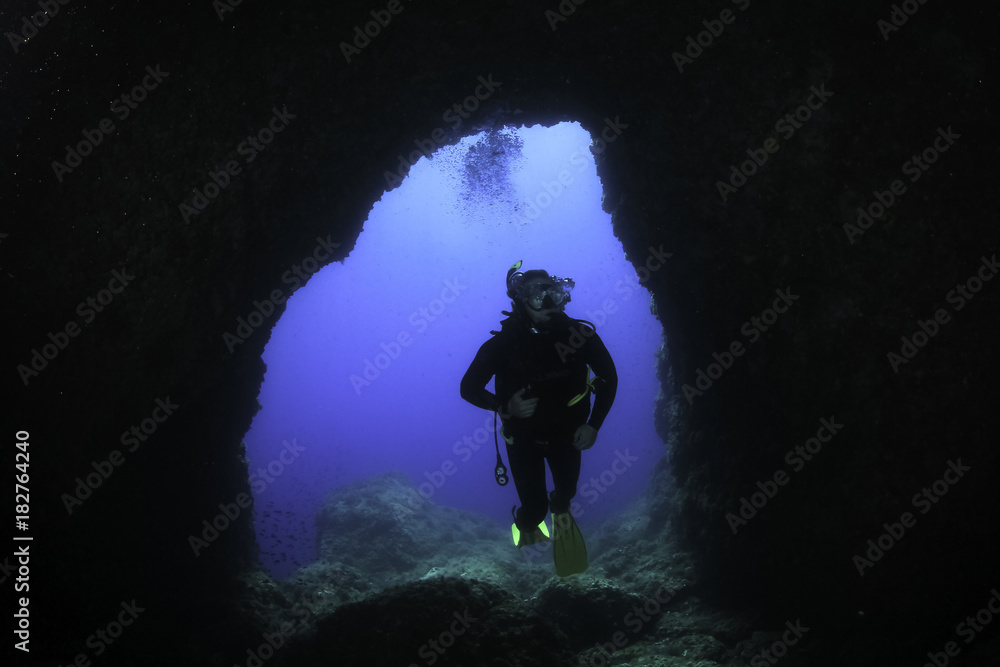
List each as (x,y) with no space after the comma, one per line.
(521,407)
(585,437)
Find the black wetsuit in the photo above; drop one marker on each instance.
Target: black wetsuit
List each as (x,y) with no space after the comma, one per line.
(552,363)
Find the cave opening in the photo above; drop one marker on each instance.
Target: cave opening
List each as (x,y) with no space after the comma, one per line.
(364,365)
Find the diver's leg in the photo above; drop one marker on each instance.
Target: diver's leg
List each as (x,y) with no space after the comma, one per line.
(569,550)
(527,467)
(564,462)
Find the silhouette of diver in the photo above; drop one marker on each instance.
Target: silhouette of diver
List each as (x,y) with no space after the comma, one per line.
(541,361)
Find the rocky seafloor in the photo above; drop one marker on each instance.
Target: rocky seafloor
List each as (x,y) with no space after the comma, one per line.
(437,585)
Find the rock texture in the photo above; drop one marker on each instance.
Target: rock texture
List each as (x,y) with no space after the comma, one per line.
(387,591)
(168,335)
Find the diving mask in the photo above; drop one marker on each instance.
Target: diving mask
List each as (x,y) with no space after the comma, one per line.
(547,295)
(537,289)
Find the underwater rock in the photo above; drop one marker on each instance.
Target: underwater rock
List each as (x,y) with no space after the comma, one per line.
(382,527)
(585,610)
(442,621)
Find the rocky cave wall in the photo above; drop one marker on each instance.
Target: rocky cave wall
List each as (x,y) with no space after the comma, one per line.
(231,70)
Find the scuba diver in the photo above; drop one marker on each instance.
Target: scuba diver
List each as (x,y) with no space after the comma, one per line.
(541,359)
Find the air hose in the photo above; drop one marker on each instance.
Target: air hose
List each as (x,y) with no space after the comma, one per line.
(500,472)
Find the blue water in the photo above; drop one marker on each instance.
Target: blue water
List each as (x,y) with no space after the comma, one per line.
(411,305)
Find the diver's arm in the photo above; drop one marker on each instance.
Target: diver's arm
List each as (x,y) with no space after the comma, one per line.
(473,387)
(604,368)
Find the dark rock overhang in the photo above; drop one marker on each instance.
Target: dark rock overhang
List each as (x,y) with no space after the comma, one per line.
(690,125)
